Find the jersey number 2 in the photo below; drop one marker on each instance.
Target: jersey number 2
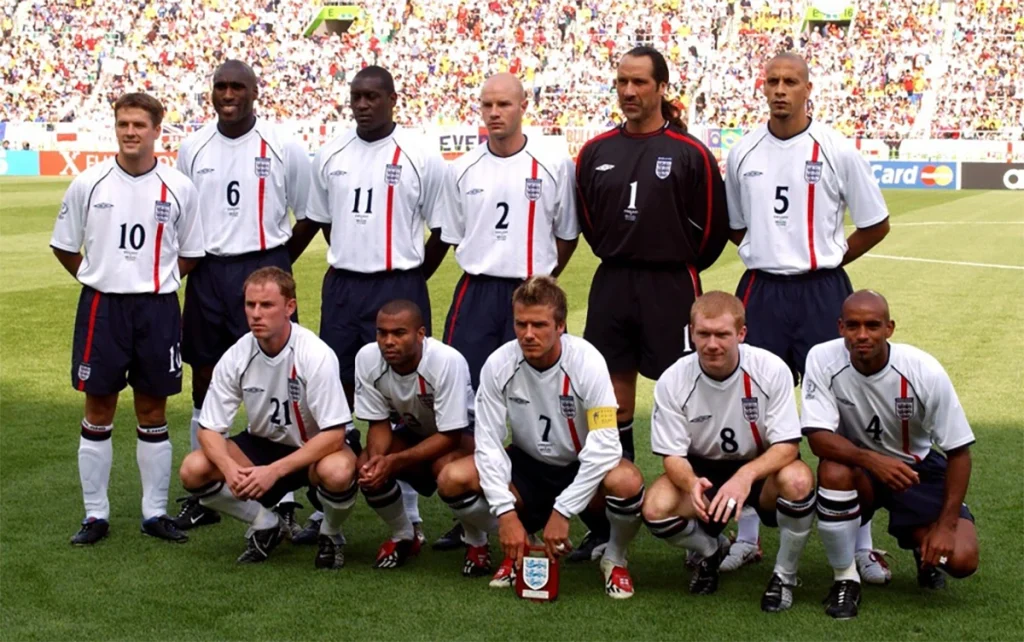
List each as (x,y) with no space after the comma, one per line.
(503,221)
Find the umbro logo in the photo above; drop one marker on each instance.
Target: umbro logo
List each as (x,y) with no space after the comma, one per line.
(603,168)
(519,400)
(752,174)
(474,191)
(103,206)
(252,389)
(338,172)
(206,170)
(700,419)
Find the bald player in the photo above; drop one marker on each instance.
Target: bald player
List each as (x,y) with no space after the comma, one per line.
(878,415)
(249,173)
(788,185)
(509,208)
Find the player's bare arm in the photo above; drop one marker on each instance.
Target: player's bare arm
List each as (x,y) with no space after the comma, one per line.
(737,488)
(186,265)
(680,473)
(71,261)
(893,472)
(303,233)
(215,447)
(428,450)
(939,541)
(433,253)
(863,239)
(512,536)
(556,535)
(565,251)
(736,236)
(260,479)
(378,443)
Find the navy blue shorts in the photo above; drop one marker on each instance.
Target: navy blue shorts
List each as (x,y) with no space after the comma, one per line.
(920,505)
(262,452)
(349,304)
(123,339)
(539,484)
(788,315)
(480,320)
(214,315)
(718,472)
(638,316)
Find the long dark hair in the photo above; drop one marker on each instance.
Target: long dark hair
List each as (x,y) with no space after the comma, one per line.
(668,111)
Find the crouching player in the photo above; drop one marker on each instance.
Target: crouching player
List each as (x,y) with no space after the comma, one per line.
(872,411)
(426,385)
(288,380)
(726,423)
(556,395)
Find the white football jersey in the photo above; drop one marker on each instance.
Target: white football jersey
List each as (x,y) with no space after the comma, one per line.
(289,398)
(559,416)
(131,229)
(735,419)
(791,195)
(437,397)
(899,411)
(247,185)
(504,214)
(377,197)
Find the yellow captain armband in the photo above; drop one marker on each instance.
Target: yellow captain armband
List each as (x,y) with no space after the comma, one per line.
(601,418)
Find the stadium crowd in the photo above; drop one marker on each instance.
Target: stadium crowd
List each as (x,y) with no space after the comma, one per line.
(63,61)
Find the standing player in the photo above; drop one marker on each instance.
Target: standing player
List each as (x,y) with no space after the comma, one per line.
(139,225)
(510,209)
(789,183)
(725,422)
(425,383)
(555,393)
(652,207)
(872,410)
(287,378)
(249,173)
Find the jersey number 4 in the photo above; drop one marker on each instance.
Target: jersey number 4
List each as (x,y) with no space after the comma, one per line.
(875,428)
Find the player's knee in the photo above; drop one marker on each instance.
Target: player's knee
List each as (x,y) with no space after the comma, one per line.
(624,480)
(456,477)
(195,470)
(835,476)
(335,473)
(658,505)
(964,562)
(795,481)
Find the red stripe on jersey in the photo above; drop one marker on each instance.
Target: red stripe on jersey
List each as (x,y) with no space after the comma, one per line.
(695,279)
(753,424)
(159,242)
(572,424)
(391,210)
(810,211)
(259,202)
(905,423)
(750,288)
(423,384)
(707,181)
(88,335)
(455,312)
(529,226)
(295,408)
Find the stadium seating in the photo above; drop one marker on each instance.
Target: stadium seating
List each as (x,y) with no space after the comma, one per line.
(68,60)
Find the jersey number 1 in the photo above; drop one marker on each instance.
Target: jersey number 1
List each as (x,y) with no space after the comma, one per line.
(136,236)
(369,201)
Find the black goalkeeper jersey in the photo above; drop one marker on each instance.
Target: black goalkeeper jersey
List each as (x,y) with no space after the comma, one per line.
(655,199)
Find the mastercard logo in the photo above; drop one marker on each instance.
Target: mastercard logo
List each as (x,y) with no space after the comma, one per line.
(936,175)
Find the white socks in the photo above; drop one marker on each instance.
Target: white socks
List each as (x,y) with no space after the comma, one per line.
(153,454)
(219,497)
(864,541)
(472,510)
(337,508)
(387,501)
(749,525)
(681,533)
(193,429)
(838,521)
(411,502)
(624,517)
(795,519)
(95,455)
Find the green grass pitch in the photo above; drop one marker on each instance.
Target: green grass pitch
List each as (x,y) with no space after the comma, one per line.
(132,587)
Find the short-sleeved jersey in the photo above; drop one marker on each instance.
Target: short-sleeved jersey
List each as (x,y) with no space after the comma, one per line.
(791,195)
(504,213)
(899,411)
(436,397)
(559,416)
(131,229)
(377,197)
(289,398)
(657,198)
(734,419)
(247,185)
